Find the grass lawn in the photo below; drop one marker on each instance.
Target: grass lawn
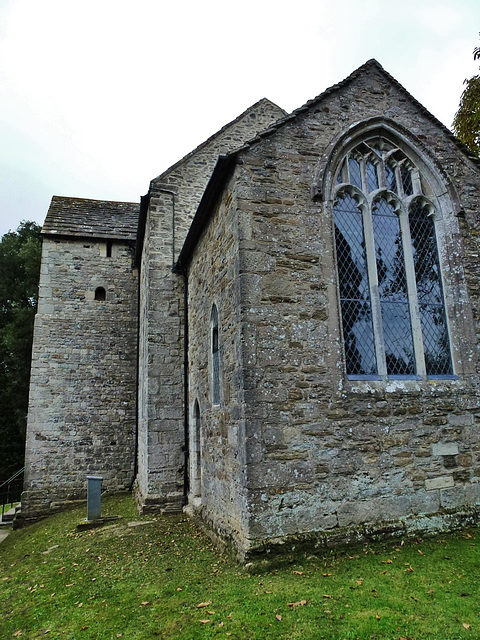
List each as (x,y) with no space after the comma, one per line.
(162,578)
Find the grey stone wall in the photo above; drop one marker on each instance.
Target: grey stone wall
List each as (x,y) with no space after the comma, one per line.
(82,399)
(174,198)
(326,456)
(325,453)
(213,279)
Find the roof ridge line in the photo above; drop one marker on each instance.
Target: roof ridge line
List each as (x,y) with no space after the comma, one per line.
(214,135)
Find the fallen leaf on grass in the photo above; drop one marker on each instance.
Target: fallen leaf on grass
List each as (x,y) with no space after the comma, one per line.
(326,575)
(205,621)
(210,613)
(298,573)
(17,633)
(409,569)
(377,617)
(359,582)
(300,603)
(221,624)
(382,573)
(203,604)
(278,617)
(85,626)
(144,603)
(466,626)
(327,596)
(387,561)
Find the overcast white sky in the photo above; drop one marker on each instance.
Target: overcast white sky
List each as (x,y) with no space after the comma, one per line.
(97,97)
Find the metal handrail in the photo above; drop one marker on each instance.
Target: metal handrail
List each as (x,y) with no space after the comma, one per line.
(12,494)
(14,477)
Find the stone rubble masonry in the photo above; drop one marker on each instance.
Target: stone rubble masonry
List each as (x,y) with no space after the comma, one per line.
(81,417)
(213,279)
(323,454)
(293,449)
(174,195)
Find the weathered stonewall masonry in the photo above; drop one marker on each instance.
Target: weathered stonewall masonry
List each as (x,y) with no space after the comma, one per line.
(282,337)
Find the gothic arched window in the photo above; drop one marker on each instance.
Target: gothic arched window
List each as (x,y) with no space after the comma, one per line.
(391,296)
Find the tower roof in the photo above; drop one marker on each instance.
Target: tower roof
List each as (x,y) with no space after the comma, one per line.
(80,217)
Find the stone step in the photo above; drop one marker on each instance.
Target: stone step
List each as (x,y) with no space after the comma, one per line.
(9,515)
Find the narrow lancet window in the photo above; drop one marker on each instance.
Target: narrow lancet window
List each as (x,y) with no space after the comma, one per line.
(215,357)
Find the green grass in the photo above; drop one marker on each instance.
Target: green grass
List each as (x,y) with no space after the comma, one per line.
(145,582)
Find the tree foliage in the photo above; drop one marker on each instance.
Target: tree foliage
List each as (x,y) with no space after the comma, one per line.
(20,253)
(466,123)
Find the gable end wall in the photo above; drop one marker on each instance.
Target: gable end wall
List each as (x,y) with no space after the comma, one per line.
(325,456)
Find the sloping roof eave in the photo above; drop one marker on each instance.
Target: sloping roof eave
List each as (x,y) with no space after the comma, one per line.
(219,177)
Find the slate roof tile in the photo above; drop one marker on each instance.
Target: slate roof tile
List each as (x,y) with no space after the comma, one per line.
(80,217)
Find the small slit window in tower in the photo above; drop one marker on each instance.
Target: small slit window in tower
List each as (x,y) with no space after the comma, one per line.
(100,294)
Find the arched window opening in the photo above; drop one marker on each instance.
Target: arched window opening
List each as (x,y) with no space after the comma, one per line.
(215,357)
(391,297)
(100,294)
(195,454)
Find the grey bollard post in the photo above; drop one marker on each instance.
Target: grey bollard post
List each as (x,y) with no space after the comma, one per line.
(94,493)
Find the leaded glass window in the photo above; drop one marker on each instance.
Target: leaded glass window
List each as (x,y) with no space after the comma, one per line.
(391,297)
(354,288)
(392,289)
(372,178)
(391,179)
(429,290)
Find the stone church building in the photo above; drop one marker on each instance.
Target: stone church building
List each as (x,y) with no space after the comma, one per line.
(282,337)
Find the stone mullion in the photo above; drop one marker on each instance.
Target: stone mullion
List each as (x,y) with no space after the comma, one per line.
(412,295)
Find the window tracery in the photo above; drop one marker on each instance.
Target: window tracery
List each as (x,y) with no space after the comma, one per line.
(391,296)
